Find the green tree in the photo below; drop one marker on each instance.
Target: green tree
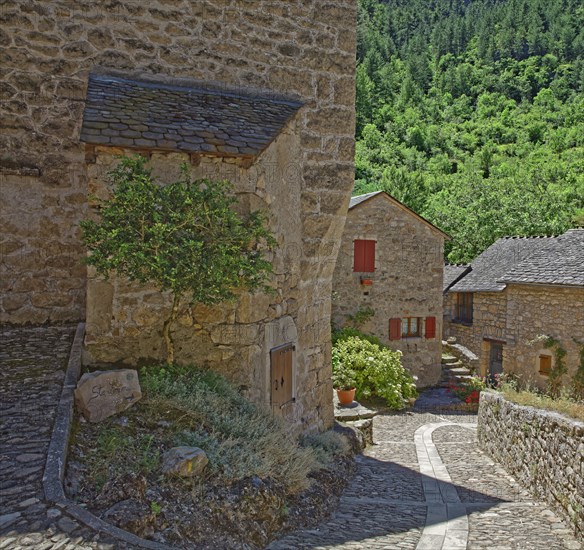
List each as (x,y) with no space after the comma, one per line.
(184,237)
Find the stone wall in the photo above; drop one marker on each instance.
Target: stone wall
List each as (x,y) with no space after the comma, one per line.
(541,449)
(534,310)
(304,50)
(489,324)
(407,281)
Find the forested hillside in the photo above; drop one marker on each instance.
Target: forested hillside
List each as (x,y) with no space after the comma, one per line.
(471,112)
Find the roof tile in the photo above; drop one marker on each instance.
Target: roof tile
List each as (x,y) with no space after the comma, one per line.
(224,123)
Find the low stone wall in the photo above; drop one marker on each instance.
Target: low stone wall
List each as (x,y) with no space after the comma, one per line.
(542,449)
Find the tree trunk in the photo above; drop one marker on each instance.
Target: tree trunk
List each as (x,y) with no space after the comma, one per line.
(166,330)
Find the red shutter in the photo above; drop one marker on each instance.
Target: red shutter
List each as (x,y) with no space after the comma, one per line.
(359,255)
(430,327)
(364,256)
(395,329)
(369,265)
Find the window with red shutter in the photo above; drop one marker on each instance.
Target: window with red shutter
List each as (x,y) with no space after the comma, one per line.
(395,329)
(430,327)
(364,256)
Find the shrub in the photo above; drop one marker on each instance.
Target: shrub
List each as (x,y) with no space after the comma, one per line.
(240,438)
(350,332)
(378,370)
(344,377)
(184,237)
(469,391)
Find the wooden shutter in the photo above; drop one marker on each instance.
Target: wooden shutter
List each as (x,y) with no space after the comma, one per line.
(545,364)
(364,256)
(395,329)
(281,363)
(430,327)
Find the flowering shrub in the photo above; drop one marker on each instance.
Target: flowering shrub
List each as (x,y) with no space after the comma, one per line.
(377,370)
(469,391)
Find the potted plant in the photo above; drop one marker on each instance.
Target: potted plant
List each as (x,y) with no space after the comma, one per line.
(344,381)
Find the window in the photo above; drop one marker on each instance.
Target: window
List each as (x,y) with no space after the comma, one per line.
(463,307)
(410,327)
(363,256)
(545,364)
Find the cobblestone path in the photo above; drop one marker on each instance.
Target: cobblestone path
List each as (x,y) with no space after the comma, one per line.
(426,486)
(32,368)
(423,486)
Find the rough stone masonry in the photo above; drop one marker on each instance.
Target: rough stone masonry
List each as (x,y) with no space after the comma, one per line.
(301,50)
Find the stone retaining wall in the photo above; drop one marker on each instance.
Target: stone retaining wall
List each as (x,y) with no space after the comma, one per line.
(542,449)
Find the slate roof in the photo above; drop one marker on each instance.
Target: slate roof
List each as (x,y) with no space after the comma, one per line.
(152,115)
(452,273)
(359,199)
(560,262)
(488,268)
(362,198)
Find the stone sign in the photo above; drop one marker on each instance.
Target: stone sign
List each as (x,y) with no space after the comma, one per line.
(101,394)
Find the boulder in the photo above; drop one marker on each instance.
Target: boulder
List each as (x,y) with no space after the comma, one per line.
(101,394)
(184,461)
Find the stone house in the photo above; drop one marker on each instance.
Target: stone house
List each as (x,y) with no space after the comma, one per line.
(517,290)
(258,93)
(391,262)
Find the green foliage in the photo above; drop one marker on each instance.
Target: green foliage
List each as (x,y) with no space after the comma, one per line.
(240,438)
(469,391)
(578,378)
(559,368)
(326,446)
(184,237)
(344,376)
(471,113)
(348,332)
(361,316)
(377,370)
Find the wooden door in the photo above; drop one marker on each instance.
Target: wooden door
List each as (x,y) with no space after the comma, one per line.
(496,358)
(282,372)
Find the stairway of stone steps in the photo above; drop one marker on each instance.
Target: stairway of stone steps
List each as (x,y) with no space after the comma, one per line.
(453,371)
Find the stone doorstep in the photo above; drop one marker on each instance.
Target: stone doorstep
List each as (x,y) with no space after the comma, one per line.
(57,459)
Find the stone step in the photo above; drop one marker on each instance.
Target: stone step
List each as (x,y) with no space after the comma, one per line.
(448,359)
(457,370)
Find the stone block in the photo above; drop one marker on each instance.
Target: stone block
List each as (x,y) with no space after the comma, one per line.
(102,394)
(184,461)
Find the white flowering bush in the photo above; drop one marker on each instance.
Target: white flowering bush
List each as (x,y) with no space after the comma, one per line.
(377,369)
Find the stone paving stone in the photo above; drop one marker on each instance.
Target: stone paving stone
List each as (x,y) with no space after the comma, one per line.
(32,367)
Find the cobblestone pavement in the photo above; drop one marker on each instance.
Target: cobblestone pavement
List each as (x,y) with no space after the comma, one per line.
(425,485)
(32,367)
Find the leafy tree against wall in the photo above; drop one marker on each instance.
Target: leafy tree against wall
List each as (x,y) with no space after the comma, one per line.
(184,237)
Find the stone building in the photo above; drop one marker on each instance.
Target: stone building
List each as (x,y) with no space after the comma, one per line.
(259,93)
(391,262)
(515,292)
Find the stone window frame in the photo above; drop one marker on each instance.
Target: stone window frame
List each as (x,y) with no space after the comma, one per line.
(544,354)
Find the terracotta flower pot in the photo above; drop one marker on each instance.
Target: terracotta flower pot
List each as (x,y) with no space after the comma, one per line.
(346,397)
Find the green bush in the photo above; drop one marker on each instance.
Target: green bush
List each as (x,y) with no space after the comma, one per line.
(350,332)
(240,438)
(378,370)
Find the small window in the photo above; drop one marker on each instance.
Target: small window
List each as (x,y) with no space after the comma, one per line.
(463,311)
(364,256)
(545,364)
(410,327)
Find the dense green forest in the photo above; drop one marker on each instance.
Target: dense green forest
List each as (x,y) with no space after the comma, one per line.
(471,112)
